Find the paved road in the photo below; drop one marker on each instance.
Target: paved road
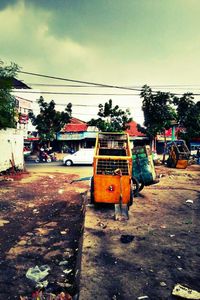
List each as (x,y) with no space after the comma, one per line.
(81,171)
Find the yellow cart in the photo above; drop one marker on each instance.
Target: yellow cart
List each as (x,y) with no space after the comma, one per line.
(112,169)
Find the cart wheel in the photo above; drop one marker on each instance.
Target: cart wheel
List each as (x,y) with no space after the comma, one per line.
(131,196)
(171,163)
(141,186)
(136,186)
(92,191)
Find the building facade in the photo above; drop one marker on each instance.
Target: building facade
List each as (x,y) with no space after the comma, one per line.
(77,134)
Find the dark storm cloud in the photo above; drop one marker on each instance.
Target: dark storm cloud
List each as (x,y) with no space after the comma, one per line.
(129,25)
(81,20)
(140,37)
(5,3)
(104,23)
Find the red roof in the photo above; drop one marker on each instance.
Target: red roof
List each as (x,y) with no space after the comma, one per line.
(133,131)
(75,125)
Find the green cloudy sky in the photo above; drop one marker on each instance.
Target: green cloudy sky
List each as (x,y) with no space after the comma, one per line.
(129,42)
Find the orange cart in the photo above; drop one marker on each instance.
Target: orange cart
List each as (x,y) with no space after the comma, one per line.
(112,169)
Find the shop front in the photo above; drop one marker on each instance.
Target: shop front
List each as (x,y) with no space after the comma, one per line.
(70,142)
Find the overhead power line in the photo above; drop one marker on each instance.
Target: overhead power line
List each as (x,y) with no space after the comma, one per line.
(79,81)
(94,84)
(64,85)
(87,105)
(86,94)
(84,105)
(185,88)
(174,86)
(72,93)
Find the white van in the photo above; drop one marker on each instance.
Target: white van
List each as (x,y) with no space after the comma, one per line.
(82,157)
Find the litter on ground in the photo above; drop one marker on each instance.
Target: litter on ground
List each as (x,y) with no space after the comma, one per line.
(184,292)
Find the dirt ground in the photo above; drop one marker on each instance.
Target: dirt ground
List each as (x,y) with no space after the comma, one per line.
(158,247)
(41,220)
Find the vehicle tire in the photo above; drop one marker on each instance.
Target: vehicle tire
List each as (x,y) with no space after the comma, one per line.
(68,163)
(131,196)
(136,186)
(141,186)
(92,191)
(171,163)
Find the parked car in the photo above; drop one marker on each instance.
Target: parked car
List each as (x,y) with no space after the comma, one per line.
(82,157)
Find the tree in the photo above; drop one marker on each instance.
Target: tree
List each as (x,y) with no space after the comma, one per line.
(192,121)
(184,105)
(7,101)
(49,121)
(111,119)
(188,116)
(158,112)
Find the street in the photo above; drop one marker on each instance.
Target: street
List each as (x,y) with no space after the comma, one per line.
(58,166)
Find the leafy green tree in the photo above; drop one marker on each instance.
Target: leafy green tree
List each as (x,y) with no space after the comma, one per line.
(111,119)
(7,101)
(158,112)
(160,109)
(192,121)
(184,105)
(188,116)
(49,121)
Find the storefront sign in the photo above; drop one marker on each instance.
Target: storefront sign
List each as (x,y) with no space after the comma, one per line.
(70,136)
(23,118)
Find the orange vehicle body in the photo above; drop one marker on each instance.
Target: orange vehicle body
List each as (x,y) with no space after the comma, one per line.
(178,154)
(112,169)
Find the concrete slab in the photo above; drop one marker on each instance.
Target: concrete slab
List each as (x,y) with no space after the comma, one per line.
(105,258)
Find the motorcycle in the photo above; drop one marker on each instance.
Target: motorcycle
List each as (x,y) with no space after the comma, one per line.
(53,156)
(43,157)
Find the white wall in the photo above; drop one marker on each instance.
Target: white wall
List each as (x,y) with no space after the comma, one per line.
(30,102)
(11,149)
